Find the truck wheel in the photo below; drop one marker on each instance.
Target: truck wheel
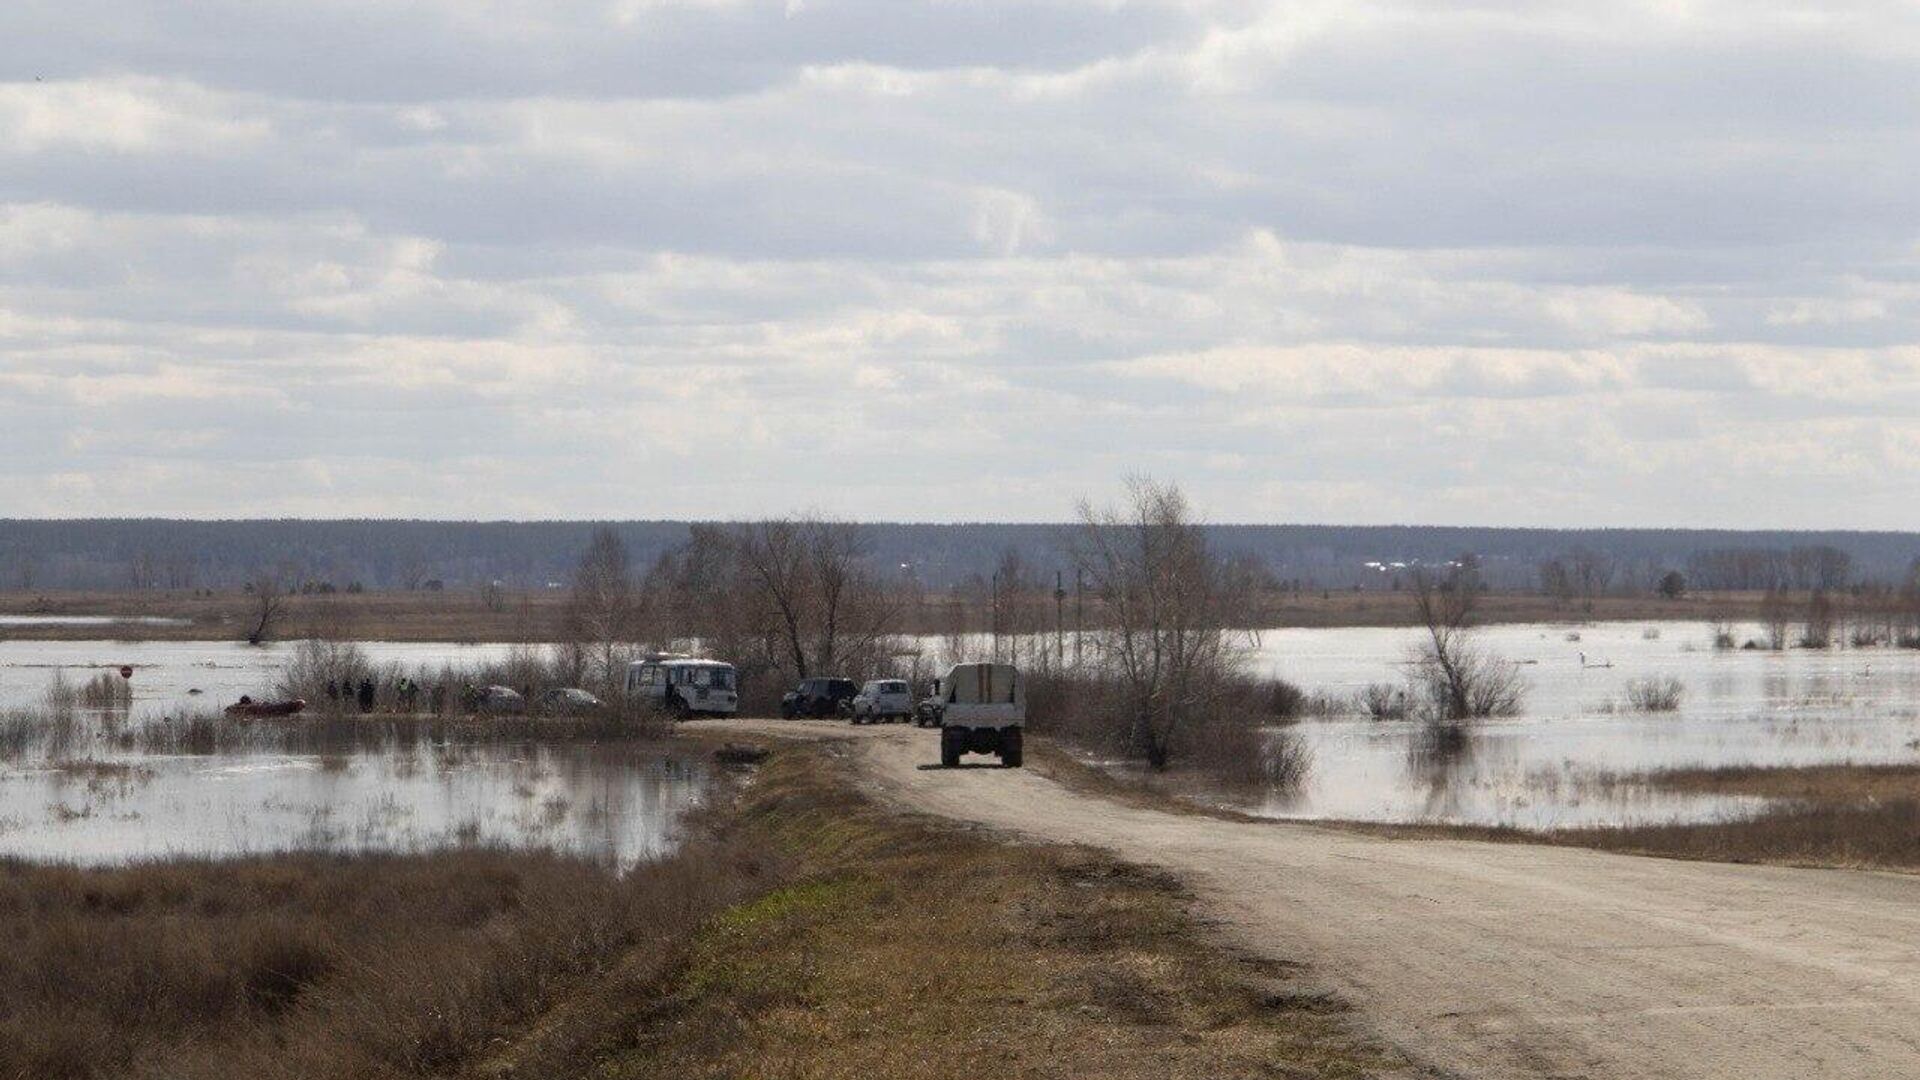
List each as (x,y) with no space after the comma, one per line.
(949,749)
(1010,749)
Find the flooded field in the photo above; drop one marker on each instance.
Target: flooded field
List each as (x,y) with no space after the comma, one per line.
(1565,760)
(166,673)
(615,803)
(103,621)
(1569,759)
(113,787)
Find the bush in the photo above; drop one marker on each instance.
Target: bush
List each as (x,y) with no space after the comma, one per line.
(1469,683)
(1232,743)
(1655,694)
(1285,701)
(1384,701)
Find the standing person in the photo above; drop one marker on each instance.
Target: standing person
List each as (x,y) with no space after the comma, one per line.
(366,695)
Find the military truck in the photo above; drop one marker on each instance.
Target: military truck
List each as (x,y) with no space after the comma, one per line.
(983,710)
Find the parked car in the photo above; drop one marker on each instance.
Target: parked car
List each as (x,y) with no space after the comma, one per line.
(565,701)
(501,699)
(882,701)
(927,711)
(818,697)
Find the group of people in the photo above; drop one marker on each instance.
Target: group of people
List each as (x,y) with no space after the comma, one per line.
(362,695)
(404,697)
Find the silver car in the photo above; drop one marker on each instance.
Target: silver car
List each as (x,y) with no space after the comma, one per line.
(501,700)
(566,701)
(882,701)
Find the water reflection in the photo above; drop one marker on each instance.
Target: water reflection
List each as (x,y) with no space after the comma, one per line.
(1438,756)
(1558,764)
(619,802)
(1569,759)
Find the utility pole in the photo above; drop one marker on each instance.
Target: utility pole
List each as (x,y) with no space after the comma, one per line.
(994,607)
(1079,616)
(1059,620)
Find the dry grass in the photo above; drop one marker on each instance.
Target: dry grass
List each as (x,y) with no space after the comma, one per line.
(804,934)
(1829,815)
(1884,836)
(1844,816)
(320,966)
(1848,816)
(914,950)
(1822,784)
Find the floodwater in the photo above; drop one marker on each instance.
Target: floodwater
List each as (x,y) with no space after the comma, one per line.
(89,620)
(165,673)
(617,803)
(1568,758)
(95,798)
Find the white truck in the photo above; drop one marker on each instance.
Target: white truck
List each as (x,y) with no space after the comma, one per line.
(983,710)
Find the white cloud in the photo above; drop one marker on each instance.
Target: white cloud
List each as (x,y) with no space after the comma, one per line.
(1330,259)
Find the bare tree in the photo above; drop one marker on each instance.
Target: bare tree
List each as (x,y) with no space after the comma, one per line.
(1817,631)
(1168,604)
(1776,611)
(822,607)
(266,608)
(1460,679)
(493,597)
(602,610)
(772,558)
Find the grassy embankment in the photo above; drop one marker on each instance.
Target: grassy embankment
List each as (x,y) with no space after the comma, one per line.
(806,933)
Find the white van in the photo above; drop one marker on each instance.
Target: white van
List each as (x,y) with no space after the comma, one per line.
(684,686)
(983,710)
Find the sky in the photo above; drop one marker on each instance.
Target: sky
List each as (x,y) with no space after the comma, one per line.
(1560,264)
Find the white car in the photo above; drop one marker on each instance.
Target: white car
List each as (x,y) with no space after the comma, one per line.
(882,701)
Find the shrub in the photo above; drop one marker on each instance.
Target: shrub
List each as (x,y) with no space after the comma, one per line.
(1384,701)
(1655,694)
(1285,701)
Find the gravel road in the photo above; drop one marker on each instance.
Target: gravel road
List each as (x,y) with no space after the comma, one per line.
(1507,960)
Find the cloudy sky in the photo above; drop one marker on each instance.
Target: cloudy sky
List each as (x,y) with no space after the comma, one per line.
(1508,263)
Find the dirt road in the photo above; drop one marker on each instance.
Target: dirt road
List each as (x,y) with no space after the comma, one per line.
(1503,960)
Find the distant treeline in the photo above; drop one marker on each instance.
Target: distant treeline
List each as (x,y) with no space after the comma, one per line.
(174,555)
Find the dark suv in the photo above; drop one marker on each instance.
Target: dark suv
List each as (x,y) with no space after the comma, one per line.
(818,697)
